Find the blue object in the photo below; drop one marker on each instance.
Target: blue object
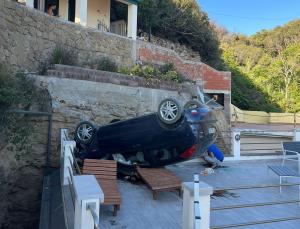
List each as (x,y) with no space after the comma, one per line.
(216,151)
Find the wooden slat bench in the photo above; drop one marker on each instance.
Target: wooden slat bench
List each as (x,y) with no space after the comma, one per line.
(159,179)
(106,174)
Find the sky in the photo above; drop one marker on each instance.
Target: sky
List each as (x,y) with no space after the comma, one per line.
(251,16)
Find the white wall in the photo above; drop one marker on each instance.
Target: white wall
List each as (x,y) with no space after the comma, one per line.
(63,9)
(98,10)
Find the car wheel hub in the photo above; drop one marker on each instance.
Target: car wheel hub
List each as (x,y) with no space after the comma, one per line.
(169,110)
(85,132)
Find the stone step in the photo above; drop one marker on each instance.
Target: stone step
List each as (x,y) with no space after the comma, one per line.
(103,78)
(79,73)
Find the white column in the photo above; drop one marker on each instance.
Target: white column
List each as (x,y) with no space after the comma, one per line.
(236,144)
(188,205)
(41,5)
(132,21)
(81,12)
(30,3)
(297,135)
(87,192)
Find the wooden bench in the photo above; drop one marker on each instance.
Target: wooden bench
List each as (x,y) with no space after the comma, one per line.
(106,174)
(159,179)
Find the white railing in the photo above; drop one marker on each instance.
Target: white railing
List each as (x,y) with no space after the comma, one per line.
(86,193)
(119,27)
(197,217)
(196,204)
(236,139)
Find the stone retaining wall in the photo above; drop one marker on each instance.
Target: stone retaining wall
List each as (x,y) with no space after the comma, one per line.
(28,36)
(21,179)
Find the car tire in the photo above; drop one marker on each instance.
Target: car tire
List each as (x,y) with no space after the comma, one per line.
(84,132)
(192,104)
(169,111)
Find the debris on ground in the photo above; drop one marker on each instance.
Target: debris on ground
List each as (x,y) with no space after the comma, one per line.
(224,193)
(207,171)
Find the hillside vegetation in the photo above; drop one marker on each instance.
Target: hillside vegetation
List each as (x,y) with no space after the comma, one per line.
(265,68)
(181,21)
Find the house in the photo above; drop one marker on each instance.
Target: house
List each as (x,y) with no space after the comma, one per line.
(116,16)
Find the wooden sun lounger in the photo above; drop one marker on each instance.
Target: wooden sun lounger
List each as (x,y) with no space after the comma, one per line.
(159,179)
(106,174)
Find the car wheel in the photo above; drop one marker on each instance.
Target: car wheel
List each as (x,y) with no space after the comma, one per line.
(169,111)
(84,132)
(192,104)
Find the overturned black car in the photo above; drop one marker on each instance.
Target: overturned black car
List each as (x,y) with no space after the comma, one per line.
(170,135)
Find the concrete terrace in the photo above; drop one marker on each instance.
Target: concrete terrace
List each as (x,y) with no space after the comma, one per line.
(139,210)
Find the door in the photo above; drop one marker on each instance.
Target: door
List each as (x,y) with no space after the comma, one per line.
(71,11)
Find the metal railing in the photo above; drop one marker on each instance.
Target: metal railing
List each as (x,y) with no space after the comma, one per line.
(260,143)
(239,206)
(102,26)
(119,27)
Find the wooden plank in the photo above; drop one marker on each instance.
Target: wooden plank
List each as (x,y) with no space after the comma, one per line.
(111,202)
(105,177)
(105,172)
(100,161)
(159,179)
(95,168)
(102,165)
(99,172)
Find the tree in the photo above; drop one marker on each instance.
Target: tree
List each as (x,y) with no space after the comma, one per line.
(267,64)
(153,13)
(181,21)
(289,69)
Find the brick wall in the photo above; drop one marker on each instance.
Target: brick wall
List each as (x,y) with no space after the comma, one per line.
(212,79)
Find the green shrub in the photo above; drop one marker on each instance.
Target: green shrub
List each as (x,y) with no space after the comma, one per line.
(149,72)
(17,91)
(124,70)
(137,70)
(63,55)
(173,76)
(167,67)
(106,64)
(166,72)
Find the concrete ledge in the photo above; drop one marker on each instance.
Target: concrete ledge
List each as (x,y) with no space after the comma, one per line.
(79,73)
